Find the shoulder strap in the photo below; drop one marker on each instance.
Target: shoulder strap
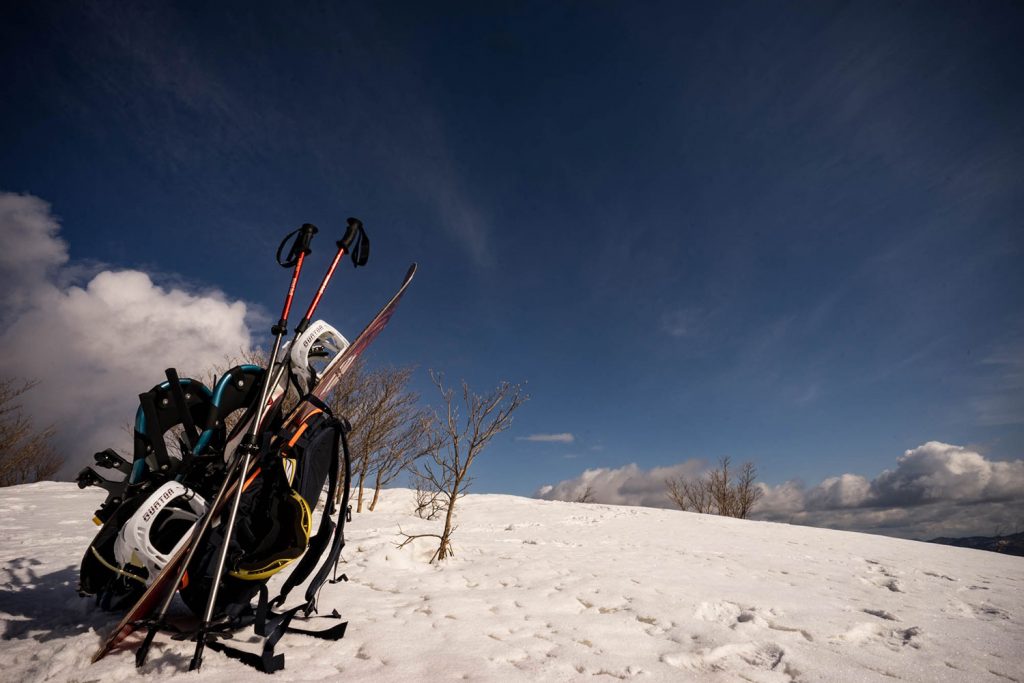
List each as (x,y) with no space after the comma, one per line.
(153,433)
(328,526)
(339,532)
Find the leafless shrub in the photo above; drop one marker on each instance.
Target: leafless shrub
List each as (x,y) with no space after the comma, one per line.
(26,454)
(586,497)
(719,492)
(428,504)
(389,430)
(454,442)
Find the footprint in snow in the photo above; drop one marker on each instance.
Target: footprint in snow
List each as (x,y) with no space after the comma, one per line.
(866,633)
(880,613)
(730,657)
(883,577)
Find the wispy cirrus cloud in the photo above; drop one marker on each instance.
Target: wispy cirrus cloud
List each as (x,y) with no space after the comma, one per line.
(1000,398)
(148,56)
(564,437)
(684,323)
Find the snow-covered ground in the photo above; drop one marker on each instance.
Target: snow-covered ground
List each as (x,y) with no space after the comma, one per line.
(547,591)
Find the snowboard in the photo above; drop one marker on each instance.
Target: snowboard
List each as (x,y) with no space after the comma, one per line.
(328,379)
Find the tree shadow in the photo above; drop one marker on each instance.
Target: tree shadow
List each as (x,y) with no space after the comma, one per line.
(45,606)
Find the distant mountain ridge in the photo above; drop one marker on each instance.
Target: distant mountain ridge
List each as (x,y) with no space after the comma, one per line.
(1008,545)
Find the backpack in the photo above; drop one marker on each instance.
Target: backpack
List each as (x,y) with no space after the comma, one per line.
(146,516)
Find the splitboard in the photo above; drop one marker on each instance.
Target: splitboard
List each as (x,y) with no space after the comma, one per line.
(328,380)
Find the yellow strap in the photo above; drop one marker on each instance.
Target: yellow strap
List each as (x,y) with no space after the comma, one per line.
(116,570)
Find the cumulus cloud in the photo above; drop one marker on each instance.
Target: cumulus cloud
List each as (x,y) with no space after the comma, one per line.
(564,437)
(627,485)
(935,489)
(30,250)
(95,346)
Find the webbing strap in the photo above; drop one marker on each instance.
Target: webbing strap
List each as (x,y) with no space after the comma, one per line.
(272,626)
(261,662)
(356,242)
(339,533)
(184,415)
(153,433)
(318,543)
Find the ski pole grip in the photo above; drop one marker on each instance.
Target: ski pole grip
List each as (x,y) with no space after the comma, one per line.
(354,227)
(303,236)
(306,233)
(355,242)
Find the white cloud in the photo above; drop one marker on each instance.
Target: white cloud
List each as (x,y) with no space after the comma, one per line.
(844,491)
(627,485)
(30,250)
(936,489)
(95,347)
(936,471)
(564,437)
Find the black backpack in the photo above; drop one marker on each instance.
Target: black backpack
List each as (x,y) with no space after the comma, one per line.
(274,531)
(295,465)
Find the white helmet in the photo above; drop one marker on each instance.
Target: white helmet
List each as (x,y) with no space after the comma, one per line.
(320,342)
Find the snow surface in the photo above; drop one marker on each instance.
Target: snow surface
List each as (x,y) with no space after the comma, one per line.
(548,591)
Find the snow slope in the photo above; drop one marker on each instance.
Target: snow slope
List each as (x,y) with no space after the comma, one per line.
(562,591)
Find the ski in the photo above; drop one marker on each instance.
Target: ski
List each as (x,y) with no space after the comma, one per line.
(328,380)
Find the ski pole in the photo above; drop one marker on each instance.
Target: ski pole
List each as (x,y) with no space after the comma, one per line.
(250,442)
(354,242)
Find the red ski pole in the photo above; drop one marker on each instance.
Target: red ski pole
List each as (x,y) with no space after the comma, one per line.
(250,442)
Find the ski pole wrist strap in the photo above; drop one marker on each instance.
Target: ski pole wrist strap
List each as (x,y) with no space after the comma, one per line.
(355,242)
(300,245)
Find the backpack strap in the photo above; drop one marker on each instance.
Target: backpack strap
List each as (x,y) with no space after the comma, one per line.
(153,432)
(328,526)
(184,413)
(273,625)
(338,541)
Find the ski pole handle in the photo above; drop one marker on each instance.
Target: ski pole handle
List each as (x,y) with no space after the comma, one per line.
(354,241)
(354,226)
(300,247)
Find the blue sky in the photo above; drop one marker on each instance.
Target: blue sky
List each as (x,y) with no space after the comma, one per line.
(785,233)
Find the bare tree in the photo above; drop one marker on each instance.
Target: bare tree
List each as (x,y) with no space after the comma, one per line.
(26,454)
(747,492)
(388,428)
(454,443)
(587,496)
(691,494)
(399,450)
(718,492)
(720,486)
